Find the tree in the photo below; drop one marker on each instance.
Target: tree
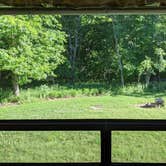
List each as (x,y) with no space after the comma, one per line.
(160,64)
(72,27)
(97,48)
(30,48)
(116,30)
(160,47)
(96,56)
(146,68)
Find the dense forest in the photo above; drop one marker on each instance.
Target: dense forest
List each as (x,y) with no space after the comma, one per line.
(115,49)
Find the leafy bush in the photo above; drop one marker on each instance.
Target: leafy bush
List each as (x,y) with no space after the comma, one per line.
(87,89)
(14,99)
(52,95)
(4,94)
(73,93)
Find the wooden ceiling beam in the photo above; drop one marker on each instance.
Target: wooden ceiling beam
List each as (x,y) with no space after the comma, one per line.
(82,6)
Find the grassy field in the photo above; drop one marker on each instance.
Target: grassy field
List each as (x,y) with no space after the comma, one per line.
(82,146)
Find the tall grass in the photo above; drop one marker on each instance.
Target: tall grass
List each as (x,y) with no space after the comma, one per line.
(78,90)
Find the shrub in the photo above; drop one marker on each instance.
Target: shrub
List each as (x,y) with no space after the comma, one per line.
(14,99)
(57,91)
(44,91)
(73,93)
(52,94)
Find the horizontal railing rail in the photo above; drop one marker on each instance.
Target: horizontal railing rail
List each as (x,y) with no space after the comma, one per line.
(104,126)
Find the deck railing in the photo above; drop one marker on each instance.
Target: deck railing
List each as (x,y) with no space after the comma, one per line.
(104,126)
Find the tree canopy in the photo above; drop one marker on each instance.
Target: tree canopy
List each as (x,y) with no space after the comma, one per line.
(121,49)
(30,47)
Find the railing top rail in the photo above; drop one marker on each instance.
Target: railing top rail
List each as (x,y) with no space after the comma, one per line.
(83,124)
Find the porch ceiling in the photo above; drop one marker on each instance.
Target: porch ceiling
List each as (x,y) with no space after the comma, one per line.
(82,5)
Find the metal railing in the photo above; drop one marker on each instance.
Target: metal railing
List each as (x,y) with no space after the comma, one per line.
(104,126)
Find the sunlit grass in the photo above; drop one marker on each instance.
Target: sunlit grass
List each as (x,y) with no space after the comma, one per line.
(82,146)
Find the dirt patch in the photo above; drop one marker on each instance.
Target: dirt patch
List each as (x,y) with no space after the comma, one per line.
(96,107)
(8,105)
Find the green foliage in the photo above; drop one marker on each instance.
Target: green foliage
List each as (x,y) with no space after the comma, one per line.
(71,49)
(146,67)
(30,47)
(139,40)
(45,92)
(4,95)
(161,54)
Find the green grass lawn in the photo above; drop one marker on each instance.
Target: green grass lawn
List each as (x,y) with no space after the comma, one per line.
(82,146)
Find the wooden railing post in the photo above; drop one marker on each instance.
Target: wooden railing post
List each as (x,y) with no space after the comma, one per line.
(106,148)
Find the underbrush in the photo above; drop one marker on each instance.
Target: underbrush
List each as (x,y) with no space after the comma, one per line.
(79,90)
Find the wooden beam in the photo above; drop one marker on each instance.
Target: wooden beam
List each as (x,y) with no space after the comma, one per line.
(22,11)
(85,3)
(82,6)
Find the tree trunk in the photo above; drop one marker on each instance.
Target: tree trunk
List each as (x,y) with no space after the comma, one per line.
(118,54)
(147,79)
(159,80)
(16,89)
(72,59)
(73,47)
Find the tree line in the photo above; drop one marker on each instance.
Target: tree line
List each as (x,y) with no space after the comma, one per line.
(113,49)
